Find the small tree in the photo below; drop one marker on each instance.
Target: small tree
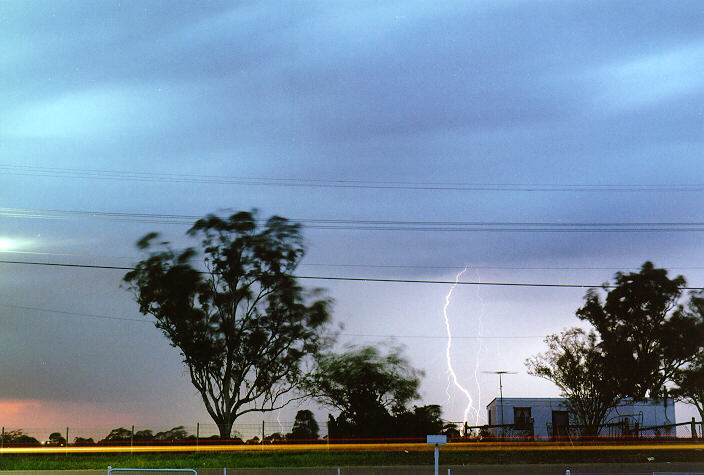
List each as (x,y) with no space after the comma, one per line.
(366,387)
(274,438)
(177,433)
(420,421)
(690,379)
(305,427)
(576,364)
(83,441)
(690,384)
(242,323)
(55,438)
(118,435)
(143,435)
(18,437)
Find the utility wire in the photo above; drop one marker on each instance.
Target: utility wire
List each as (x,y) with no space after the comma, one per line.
(359,279)
(97,174)
(374,225)
(381,266)
(76,314)
(366,335)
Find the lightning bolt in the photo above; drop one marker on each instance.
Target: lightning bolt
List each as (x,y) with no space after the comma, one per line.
(448,348)
(480,346)
(281,426)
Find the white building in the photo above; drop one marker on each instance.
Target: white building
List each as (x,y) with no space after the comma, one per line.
(548,417)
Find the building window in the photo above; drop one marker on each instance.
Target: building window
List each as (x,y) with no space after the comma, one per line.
(521,417)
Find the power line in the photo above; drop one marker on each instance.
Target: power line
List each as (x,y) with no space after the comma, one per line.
(488,267)
(374,225)
(444,337)
(365,335)
(360,279)
(76,314)
(98,174)
(60,264)
(384,266)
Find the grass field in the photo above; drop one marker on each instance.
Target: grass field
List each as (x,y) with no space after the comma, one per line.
(338,459)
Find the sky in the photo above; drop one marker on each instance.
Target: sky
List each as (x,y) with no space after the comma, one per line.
(412,125)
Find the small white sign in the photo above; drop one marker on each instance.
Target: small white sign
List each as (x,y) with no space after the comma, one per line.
(437,439)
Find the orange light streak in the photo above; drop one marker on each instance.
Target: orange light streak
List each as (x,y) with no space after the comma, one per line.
(374,447)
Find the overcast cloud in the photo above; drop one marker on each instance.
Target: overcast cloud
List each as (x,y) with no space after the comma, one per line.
(537,94)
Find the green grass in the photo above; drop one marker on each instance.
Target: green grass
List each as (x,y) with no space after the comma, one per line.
(322,459)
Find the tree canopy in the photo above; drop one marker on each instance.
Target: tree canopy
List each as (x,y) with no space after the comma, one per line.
(646,332)
(19,438)
(690,384)
(367,387)
(690,378)
(55,438)
(575,362)
(305,427)
(233,308)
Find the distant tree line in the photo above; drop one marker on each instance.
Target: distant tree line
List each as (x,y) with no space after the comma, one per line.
(17,437)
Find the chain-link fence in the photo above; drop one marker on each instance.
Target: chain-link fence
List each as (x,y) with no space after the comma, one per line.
(280,432)
(204,433)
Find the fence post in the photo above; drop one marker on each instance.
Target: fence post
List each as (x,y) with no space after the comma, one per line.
(197,434)
(132,440)
(694,429)
(67,441)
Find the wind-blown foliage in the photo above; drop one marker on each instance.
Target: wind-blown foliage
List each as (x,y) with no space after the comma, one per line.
(368,389)
(577,365)
(233,308)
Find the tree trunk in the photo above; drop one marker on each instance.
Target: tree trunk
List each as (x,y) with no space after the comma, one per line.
(225,429)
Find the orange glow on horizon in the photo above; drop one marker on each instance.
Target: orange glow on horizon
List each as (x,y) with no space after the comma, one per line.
(13,407)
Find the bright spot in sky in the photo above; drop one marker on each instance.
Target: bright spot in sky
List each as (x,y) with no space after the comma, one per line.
(6,244)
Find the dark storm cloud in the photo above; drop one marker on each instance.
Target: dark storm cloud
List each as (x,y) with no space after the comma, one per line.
(598,92)
(253,75)
(501,67)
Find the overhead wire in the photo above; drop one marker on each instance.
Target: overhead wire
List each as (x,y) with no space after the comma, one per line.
(356,279)
(120,175)
(76,314)
(373,225)
(382,266)
(365,335)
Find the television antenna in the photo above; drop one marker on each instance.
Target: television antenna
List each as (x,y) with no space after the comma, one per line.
(501,389)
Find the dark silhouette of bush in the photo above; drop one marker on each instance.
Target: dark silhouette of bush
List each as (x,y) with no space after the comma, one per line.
(305,427)
(177,433)
(56,440)
(117,435)
(83,441)
(18,438)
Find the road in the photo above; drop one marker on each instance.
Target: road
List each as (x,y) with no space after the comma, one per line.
(525,469)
